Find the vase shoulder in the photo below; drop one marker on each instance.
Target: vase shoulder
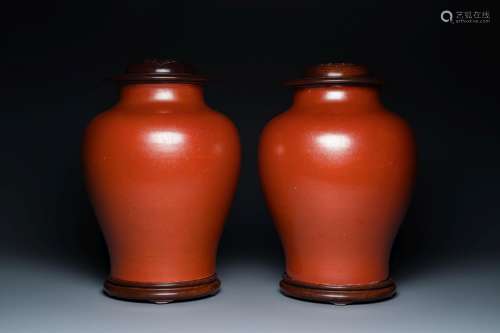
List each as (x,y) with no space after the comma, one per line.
(337,131)
(167,131)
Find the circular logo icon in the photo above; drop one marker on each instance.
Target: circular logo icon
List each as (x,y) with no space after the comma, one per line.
(446,16)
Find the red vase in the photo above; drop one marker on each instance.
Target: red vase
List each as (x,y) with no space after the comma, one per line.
(161,169)
(337,170)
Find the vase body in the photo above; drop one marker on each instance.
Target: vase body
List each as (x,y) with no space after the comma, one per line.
(161,170)
(337,169)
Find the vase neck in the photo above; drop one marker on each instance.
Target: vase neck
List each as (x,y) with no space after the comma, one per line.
(336,94)
(171,93)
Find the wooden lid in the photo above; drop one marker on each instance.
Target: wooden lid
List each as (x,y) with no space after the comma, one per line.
(335,73)
(160,71)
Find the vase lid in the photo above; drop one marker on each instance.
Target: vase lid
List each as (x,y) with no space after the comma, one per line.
(335,73)
(160,71)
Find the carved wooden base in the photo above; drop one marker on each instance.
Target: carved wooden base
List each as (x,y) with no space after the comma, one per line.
(161,293)
(338,294)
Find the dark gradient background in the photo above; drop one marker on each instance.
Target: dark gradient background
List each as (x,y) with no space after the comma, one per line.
(441,78)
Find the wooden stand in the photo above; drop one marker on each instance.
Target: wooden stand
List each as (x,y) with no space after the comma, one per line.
(161,293)
(338,294)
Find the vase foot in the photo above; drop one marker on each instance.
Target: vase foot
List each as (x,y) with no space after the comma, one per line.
(338,294)
(161,293)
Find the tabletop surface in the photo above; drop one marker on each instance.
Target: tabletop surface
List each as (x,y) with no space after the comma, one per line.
(56,296)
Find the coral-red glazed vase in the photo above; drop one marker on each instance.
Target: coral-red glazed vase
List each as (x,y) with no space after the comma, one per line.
(337,170)
(161,169)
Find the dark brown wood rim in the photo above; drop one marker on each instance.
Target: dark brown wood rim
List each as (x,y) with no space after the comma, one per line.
(329,81)
(338,294)
(162,292)
(152,78)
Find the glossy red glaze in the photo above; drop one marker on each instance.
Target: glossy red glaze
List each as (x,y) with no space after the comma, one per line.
(161,169)
(337,169)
